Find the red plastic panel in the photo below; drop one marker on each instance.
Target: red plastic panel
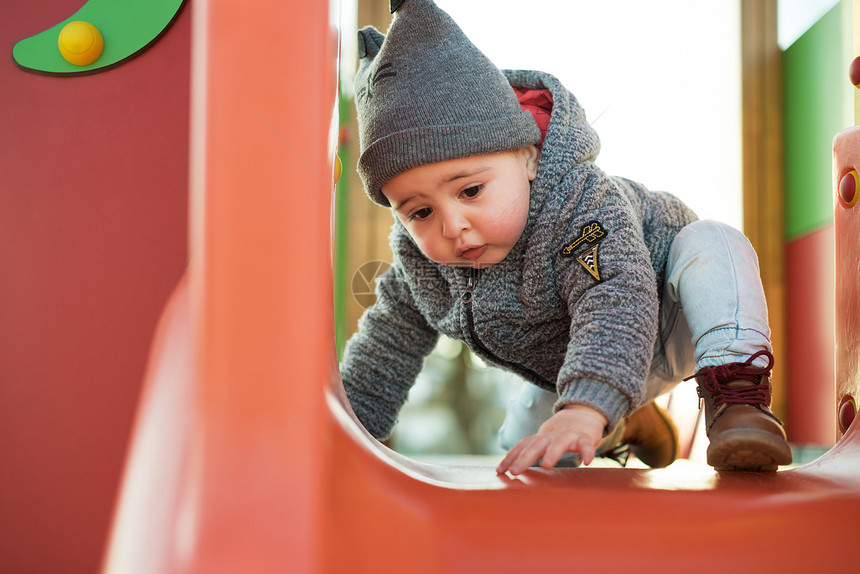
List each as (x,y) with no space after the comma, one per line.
(93,228)
(808,364)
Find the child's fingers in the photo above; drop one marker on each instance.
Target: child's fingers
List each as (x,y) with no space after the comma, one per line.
(512,455)
(505,464)
(554,451)
(587,452)
(524,454)
(532,451)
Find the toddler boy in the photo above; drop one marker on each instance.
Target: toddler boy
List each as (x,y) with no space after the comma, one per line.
(507,236)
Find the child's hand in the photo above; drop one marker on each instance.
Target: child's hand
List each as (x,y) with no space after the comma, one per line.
(575,428)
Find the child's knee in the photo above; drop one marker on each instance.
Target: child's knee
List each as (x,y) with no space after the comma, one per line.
(525,413)
(707,232)
(713,240)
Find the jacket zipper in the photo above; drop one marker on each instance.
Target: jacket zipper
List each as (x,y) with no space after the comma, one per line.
(467,297)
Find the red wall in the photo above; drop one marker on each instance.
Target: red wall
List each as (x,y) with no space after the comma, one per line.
(93,194)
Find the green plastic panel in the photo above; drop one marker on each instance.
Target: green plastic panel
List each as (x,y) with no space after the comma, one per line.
(127,26)
(341,231)
(817,104)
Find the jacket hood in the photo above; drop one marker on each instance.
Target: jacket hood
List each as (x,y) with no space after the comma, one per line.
(570,139)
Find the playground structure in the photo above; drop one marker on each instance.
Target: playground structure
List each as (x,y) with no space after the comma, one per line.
(244,453)
(351,504)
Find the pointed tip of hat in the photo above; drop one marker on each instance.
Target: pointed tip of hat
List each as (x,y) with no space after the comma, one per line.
(393,5)
(369,42)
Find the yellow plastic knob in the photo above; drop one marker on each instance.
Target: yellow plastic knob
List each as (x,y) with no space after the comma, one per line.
(80,43)
(337,169)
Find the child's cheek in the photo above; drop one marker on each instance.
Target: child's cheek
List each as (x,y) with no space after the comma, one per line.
(424,244)
(510,218)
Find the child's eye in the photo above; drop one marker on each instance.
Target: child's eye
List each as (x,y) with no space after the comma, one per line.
(422,213)
(473,191)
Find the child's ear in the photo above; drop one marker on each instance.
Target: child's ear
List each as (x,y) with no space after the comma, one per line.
(532,158)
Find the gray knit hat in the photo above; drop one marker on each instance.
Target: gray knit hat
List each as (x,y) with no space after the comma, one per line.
(425,94)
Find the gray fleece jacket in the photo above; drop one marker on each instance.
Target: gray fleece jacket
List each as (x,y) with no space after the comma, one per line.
(573,308)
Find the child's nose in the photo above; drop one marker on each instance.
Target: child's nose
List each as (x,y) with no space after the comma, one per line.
(453,224)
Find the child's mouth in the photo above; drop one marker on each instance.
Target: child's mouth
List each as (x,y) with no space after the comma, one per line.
(473,253)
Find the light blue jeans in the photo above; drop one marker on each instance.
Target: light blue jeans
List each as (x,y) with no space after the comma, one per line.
(713,311)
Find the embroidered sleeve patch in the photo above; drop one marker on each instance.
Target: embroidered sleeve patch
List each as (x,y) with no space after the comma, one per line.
(589,261)
(591,234)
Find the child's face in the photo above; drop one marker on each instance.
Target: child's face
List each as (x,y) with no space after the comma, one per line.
(469,211)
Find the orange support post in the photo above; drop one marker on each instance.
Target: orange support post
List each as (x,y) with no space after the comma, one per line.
(263,101)
(225,474)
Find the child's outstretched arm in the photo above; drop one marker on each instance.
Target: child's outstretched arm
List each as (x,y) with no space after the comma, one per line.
(382,360)
(575,428)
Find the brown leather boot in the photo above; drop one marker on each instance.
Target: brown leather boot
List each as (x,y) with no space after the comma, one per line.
(652,436)
(648,433)
(744,433)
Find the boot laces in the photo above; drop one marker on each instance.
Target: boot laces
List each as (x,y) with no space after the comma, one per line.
(714,380)
(620,454)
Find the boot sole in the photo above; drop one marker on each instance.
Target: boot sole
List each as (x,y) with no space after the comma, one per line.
(748,450)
